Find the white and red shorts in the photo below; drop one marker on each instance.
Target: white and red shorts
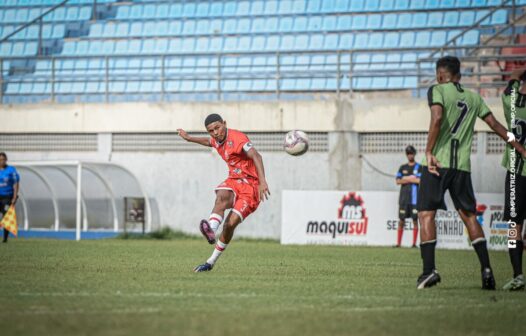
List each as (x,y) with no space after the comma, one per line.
(246,195)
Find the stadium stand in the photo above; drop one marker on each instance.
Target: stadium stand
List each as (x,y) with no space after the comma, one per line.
(150,50)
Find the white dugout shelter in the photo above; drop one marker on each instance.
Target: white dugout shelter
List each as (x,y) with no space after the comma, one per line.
(77,196)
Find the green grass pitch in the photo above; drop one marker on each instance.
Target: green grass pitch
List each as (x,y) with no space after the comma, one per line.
(146,287)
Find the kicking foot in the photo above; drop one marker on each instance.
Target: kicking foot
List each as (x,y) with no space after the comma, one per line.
(428,280)
(203,268)
(488,281)
(207,232)
(515,284)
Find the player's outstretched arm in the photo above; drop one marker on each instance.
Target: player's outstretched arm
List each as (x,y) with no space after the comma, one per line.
(432,136)
(198,140)
(254,155)
(502,132)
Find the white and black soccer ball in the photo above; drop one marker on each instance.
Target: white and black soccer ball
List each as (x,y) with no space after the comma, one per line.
(296,143)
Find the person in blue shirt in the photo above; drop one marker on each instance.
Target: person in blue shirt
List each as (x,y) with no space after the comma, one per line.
(408,178)
(9,185)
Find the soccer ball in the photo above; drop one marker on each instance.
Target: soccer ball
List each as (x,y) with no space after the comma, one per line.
(296,143)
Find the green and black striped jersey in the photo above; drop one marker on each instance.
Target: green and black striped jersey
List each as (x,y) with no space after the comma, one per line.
(461,108)
(514,102)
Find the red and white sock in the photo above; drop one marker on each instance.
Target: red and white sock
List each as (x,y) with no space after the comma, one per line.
(214,221)
(219,248)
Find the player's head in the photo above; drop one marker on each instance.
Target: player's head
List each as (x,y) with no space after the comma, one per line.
(410,152)
(448,69)
(216,127)
(3,159)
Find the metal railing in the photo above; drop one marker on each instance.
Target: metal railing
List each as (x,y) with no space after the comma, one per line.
(169,74)
(38,20)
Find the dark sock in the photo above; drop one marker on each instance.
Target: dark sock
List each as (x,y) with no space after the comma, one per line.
(427,251)
(482,252)
(516,257)
(6,234)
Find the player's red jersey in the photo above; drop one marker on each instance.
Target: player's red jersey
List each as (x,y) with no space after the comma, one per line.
(233,151)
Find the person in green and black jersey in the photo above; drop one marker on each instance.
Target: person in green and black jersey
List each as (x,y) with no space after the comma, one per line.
(447,166)
(514,104)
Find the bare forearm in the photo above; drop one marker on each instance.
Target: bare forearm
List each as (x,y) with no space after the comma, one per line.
(199,140)
(260,168)
(434,131)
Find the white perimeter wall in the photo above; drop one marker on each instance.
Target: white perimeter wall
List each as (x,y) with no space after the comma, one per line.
(183,182)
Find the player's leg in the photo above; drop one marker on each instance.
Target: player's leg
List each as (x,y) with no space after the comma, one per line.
(224,200)
(414,217)
(401,224)
(246,203)
(231,222)
(4,206)
(430,199)
(463,197)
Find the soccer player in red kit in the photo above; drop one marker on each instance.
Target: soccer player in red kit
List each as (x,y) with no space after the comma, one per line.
(241,192)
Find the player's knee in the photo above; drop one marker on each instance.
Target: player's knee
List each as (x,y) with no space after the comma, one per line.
(222,200)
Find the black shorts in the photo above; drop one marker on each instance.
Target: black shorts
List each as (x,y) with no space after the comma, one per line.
(433,188)
(5,202)
(407,211)
(519,215)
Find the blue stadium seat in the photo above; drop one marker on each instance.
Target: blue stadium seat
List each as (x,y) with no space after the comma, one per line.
(391,40)
(407,39)
(372,5)
(149,11)
(344,22)
(447,3)
(361,41)
(329,23)
(346,42)
(499,17)
(435,19)
(470,38)
(315,23)
(285,24)
(419,20)
(313,6)
(162,28)
(341,6)
(377,62)
(390,21)
(331,42)
(423,39)
(404,20)
(438,38)
(395,82)
(451,19)
(401,5)
(359,22)
(374,21)
(375,40)
(229,9)
(162,10)
(467,18)
(386,5)
(300,24)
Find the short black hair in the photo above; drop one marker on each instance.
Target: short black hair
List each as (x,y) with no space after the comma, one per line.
(4,155)
(410,150)
(212,118)
(450,63)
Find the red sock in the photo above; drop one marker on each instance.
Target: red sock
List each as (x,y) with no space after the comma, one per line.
(400,233)
(415,232)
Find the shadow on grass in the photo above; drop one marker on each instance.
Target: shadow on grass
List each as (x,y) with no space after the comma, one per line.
(168,234)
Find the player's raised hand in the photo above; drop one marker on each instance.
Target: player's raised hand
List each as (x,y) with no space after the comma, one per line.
(432,164)
(264,193)
(182,133)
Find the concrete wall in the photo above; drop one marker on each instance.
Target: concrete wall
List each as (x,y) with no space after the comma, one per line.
(183,182)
